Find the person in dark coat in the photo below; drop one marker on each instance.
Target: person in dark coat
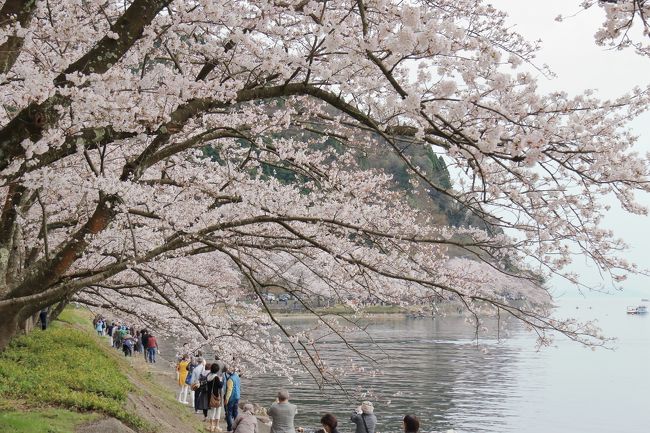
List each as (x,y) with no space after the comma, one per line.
(202,397)
(144,338)
(215,397)
(42,316)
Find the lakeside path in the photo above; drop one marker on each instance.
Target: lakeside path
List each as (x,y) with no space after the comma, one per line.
(68,379)
(153,399)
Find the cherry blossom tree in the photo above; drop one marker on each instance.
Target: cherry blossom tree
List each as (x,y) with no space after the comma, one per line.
(627,24)
(137,138)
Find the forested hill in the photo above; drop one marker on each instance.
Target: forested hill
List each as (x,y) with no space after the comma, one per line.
(381,157)
(441,207)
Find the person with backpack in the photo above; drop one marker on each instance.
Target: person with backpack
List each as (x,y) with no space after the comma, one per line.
(188,378)
(364,418)
(127,345)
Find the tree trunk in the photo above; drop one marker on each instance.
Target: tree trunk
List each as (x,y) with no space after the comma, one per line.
(56,311)
(16,321)
(9,327)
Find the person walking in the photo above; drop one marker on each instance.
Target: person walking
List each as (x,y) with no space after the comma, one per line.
(99,326)
(127,345)
(118,335)
(282,413)
(246,422)
(364,418)
(231,399)
(411,424)
(110,330)
(182,373)
(215,397)
(138,342)
(144,338)
(152,347)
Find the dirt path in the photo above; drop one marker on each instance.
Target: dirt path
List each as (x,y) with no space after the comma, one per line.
(154,398)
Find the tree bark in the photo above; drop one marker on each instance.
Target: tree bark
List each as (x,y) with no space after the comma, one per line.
(11,324)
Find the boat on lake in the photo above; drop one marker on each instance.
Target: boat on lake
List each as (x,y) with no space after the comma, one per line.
(639,309)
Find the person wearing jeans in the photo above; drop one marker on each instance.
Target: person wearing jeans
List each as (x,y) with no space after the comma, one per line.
(152,346)
(231,400)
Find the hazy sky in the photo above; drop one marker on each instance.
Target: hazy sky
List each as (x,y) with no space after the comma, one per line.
(568,47)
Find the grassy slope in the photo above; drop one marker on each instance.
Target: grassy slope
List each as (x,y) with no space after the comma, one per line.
(62,377)
(47,420)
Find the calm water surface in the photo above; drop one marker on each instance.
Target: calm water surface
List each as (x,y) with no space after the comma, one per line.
(433,368)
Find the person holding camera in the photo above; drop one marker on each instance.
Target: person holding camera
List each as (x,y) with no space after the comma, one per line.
(364,418)
(282,413)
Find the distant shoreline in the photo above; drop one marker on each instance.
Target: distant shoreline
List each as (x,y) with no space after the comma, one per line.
(443,310)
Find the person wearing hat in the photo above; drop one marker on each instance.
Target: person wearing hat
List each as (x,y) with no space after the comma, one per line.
(364,418)
(282,413)
(246,422)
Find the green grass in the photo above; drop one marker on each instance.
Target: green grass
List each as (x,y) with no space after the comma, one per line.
(66,368)
(49,420)
(75,316)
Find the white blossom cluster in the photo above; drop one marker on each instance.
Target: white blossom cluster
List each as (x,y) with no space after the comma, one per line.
(143,144)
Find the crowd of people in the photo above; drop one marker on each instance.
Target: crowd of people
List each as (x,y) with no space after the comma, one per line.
(215,388)
(126,338)
(212,389)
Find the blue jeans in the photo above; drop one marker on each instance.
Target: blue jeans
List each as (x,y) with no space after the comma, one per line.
(151,354)
(231,412)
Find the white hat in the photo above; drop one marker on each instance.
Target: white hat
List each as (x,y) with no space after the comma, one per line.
(366,407)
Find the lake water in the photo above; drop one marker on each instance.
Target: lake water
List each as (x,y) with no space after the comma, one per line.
(433,368)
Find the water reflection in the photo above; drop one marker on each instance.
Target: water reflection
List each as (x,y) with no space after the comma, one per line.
(433,368)
(429,367)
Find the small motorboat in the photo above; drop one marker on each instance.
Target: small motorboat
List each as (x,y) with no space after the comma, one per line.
(639,309)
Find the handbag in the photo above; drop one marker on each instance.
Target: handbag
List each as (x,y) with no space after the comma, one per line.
(215,401)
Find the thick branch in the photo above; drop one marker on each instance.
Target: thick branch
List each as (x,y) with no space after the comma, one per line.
(14,11)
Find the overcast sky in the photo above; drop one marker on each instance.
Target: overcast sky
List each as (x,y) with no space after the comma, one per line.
(568,47)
